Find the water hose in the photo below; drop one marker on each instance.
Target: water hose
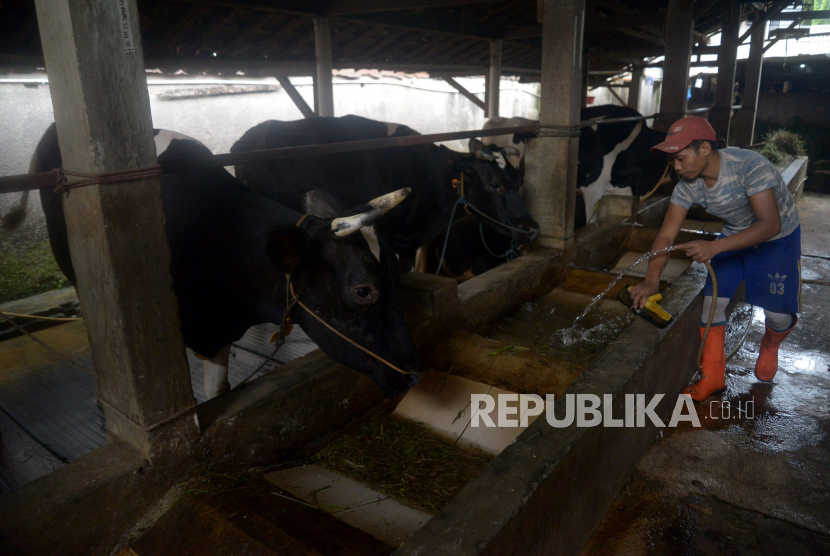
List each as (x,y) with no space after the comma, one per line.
(711,314)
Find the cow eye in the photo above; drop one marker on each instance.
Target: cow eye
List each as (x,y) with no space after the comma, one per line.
(365,295)
(494,186)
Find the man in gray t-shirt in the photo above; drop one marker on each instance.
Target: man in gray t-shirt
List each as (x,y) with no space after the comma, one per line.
(760,243)
(743,173)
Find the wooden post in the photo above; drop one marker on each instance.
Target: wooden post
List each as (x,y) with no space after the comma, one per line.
(634,89)
(322,40)
(316,94)
(586,79)
(495,79)
(550,163)
(486,94)
(119,248)
(680,27)
(745,118)
(721,112)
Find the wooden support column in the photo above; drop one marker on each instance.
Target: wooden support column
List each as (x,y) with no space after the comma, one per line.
(721,112)
(550,162)
(119,248)
(634,89)
(745,118)
(295,96)
(679,41)
(322,41)
(495,79)
(586,79)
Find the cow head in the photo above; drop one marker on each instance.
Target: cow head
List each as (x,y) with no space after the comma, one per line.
(493,186)
(343,273)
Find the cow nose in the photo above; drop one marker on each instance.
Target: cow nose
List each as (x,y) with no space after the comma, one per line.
(532,231)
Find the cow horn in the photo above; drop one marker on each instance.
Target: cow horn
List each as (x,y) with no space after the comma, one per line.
(512,151)
(347,225)
(484,155)
(387,202)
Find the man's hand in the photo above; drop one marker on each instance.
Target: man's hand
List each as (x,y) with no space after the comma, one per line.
(700,251)
(642,291)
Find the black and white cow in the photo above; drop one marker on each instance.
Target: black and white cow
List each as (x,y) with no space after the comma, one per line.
(231,249)
(489,183)
(613,158)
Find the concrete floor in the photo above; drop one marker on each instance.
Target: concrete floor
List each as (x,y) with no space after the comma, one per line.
(745,484)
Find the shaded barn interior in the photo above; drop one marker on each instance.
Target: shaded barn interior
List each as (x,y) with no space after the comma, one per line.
(540,482)
(412,35)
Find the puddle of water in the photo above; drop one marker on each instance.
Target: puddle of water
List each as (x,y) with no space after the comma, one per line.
(546,326)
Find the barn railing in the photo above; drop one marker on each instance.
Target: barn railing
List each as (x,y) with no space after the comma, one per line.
(28,182)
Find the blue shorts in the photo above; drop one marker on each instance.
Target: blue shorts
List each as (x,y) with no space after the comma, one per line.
(772,271)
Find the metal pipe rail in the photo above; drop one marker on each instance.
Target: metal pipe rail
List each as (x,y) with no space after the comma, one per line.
(28,182)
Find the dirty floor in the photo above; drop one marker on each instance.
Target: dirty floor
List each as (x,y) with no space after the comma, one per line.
(755,477)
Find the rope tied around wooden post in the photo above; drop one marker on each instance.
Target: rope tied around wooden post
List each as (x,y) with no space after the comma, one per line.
(62,185)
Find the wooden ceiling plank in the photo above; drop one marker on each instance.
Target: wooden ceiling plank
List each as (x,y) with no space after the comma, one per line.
(349,7)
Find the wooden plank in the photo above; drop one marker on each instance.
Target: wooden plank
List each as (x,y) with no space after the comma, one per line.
(495,79)
(762,17)
(614,94)
(679,41)
(346,7)
(634,87)
(116,232)
(298,100)
(745,118)
(772,42)
(461,89)
(802,16)
(322,43)
(721,114)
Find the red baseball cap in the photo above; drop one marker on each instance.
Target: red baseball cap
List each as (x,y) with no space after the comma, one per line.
(684,131)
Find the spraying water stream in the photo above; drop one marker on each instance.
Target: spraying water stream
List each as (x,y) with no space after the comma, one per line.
(617,279)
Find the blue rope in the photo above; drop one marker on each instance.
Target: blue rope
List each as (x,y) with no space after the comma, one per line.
(511,252)
(460,201)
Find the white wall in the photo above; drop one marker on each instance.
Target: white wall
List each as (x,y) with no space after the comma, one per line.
(426,105)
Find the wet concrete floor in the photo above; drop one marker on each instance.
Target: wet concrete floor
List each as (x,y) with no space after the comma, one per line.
(755,477)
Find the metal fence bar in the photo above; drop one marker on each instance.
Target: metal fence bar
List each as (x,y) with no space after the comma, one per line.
(28,182)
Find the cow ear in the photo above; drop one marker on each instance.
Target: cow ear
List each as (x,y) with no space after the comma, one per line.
(322,205)
(475,145)
(287,246)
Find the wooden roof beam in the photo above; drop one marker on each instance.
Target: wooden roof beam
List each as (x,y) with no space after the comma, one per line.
(762,19)
(349,7)
(461,89)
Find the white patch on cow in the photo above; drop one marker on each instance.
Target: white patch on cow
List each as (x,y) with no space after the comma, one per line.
(216,374)
(391,129)
(594,191)
(372,239)
(507,140)
(500,160)
(164,137)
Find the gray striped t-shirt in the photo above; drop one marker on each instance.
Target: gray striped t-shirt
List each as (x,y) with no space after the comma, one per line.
(743,173)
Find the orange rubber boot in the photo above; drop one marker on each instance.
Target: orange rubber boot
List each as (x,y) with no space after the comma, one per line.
(767,364)
(713,365)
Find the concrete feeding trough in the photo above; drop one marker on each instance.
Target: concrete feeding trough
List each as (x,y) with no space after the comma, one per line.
(542,480)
